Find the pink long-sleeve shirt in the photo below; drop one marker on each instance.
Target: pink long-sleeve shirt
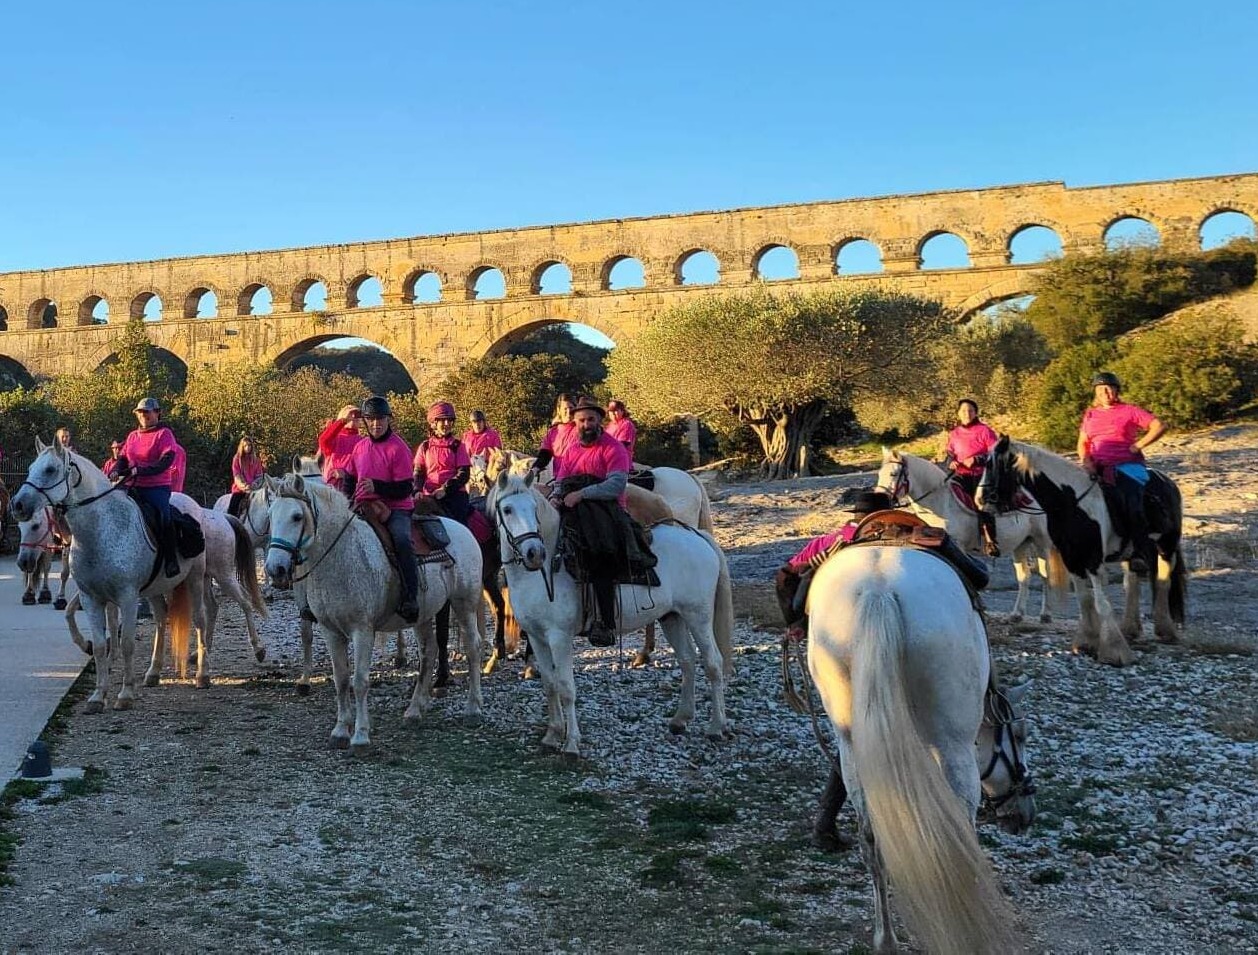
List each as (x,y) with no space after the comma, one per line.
(388,459)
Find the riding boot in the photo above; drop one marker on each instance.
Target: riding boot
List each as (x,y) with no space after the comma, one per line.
(987,529)
(399,525)
(170,554)
(603,633)
(825,832)
(443,646)
(1136,527)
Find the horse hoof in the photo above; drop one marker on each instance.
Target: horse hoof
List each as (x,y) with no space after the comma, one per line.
(260,654)
(676,727)
(124,703)
(359,749)
(833,841)
(1046,618)
(203,683)
(303,689)
(28,600)
(45,597)
(411,716)
(570,757)
(94,706)
(59,604)
(1117,658)
(640,659)
(339,742)
(152,679)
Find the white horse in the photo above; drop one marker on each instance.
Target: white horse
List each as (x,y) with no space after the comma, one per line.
(899,656)
(39,543)
(113,560)
(1079,521)
(927,490)
(353,593)
(693,602)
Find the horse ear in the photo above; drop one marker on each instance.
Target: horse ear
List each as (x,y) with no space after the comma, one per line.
(40,447)
(296,463)
(299,483)
(1018,693)
(529,477)
(502,479)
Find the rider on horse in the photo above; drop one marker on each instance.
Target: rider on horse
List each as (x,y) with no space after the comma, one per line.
(246,470)
(110,464)
(378,479)
(1112,437)
(600,465)
(336,444)
(480,437)
(562,433)
(966,451)
(442,464)
(148,454)
(622,427)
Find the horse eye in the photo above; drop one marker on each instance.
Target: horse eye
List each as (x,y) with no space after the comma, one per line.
(506,510)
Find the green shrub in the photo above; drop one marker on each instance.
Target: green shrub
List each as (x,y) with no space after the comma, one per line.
(1064,390)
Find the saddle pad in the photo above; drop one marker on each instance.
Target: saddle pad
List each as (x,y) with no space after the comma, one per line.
(480,527)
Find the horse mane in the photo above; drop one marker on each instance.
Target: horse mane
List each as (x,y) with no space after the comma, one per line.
(1030,460)
(547,516)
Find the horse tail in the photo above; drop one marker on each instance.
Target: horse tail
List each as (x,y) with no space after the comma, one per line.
(705,507)
(246,569)
(944,887)
(179,619)
(1057,579)
(722,607)
(1177,597)
(511,631)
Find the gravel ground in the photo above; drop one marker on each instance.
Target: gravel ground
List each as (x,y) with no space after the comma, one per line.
(218,820)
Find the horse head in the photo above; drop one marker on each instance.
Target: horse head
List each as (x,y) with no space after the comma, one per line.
(1001,478)
(35,538)
(893,476)
(292,528)
(1001,750)
(517,509)
(48,480)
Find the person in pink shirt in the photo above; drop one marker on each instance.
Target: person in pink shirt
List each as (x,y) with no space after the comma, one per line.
(110,464)
(1112,437)
(561,434)
(147,456)
(966,453)
(442,464)
(621,426)
(247,470)
(600,464)
(178,469)
(337,442)
(479,438)
(378,477)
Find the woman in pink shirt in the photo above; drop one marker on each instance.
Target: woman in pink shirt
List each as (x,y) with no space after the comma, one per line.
(621,426)
(442,464)
(337,442)
(561,434)
(246,472)
(147,456)
(966,451)
(479,438)
(378,477)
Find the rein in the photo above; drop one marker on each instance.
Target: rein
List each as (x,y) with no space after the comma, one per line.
(998,714)
(802,702)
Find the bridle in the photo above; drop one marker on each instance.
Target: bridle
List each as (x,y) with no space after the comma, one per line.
(900,486)
(63,505)
(515,540)
(50,532)
(999,715)
(296,550)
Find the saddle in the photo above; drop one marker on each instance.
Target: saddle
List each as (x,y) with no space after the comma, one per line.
(903,529)
(1132,506)
(189,538)
(643,478)
(429,538)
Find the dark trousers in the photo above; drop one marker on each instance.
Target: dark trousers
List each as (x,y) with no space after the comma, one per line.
(158,498)
(236,506)
(399,525)
(604,587)
(457,506)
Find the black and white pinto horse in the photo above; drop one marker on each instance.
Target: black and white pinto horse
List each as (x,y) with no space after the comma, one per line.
(1081,528)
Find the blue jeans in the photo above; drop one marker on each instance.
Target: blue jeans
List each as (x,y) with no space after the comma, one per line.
(159,499)
(399,525)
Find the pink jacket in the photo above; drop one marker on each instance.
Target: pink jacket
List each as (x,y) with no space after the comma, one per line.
(143,449)
(817,547)
(178,469)
(559,437)
(1110,433)
(388,459)
(598,460)
(966,441)
(439,459)
(624,431)
(245,472)
(481,443)
(336,446)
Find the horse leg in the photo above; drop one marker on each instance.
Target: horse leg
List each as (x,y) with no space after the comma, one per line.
(482,629)
(1130,627)
(95,610)
(1113,649)
(1089,629)
(421,698)
(566,685)
(1023,574)
(364,643)
(126,695)
(45,595)
(825,829)
(885,941)
(643,656)
(307,657)
(200,593)
(714,669)
(684,650)
(1163,624)
(399,656)
(338,651)
(553,737)
(1046,605)
(153,676)
(28,597)
(60,602)
(443,646)
(467,609)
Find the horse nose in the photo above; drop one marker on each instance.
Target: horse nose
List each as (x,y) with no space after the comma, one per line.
(25,562)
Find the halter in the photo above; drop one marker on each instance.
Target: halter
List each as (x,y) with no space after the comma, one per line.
(295,550)
(999,715)
(49,532)
(514,542)
(65,505)
(900,489)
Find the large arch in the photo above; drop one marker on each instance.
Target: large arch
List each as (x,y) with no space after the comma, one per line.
(492,275)
(551,276)
(622,271)
(285,358)
(1034,242)
(13,374)
(94,310)
(251,300)
(1223,225)
(361,293)
(944,249)
(775,261)
(423,285)
(704,267)
(1132,230)
(164,358)
(302,300)
(142,306)
(42,314)
(1016,286)
(197,301)
(504,343)
(857,255)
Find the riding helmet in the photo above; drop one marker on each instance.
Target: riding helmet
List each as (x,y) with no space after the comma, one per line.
(377,407)
(442,409)
(1106,378)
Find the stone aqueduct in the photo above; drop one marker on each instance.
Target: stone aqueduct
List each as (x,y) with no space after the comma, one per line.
(432,338)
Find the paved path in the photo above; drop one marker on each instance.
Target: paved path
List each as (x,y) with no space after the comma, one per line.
(38,663)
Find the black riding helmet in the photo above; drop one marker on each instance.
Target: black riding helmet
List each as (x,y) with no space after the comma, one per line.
(376,407)
(1107,378)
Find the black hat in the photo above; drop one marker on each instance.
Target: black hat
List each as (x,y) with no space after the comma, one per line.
(586,403)
(478,415)
(1106,378)
(869,502)
(376,407)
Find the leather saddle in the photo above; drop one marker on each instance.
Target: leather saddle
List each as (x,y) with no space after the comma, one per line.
(643,478)
(429,538)
(903,529)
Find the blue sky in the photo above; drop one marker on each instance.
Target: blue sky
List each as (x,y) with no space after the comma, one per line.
(142,130)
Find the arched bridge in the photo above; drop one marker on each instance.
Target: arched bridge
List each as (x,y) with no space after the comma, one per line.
(441,300)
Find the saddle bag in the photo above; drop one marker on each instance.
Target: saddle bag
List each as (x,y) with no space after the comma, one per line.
(433,531)
(189,538)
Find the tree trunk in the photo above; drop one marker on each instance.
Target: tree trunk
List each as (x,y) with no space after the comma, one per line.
(785,435)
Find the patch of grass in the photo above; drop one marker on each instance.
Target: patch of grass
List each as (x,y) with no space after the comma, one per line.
(79,691)
(585,800)
(1048,877)
(665,868)
(1097,843)
(685,820)
(722,865)
(213,869)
